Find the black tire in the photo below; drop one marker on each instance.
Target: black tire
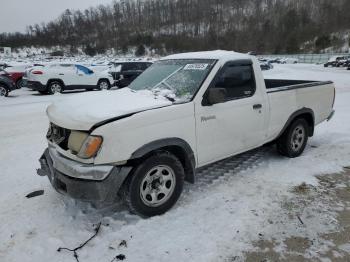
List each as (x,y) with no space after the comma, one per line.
(103,84)
(3,91)
(20,83)
(54,87)
(294,139)
(137,182)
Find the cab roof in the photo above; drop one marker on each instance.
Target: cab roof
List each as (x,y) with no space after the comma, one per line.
(217,54)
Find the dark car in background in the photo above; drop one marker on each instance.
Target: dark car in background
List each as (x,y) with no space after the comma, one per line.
(334,61)
(6,85)
(126,72)
(266,65)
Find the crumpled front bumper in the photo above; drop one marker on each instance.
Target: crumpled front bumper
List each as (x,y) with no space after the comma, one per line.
(81,181)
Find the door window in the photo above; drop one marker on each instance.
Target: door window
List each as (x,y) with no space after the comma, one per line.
(237,80)
(84,69)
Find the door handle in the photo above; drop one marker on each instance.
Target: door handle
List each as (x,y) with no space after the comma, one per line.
(257,106)
(61,74)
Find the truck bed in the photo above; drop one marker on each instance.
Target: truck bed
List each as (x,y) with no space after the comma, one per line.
(288,96)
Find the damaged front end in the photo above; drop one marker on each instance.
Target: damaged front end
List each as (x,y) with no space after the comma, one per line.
(87,182)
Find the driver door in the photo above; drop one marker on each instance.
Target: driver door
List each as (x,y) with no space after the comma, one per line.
(235,125)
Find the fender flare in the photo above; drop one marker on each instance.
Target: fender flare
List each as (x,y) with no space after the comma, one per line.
(105,79)
(179,147)
(296,114)
(55,79)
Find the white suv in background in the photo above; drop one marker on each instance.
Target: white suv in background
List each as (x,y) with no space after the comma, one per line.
(56,78)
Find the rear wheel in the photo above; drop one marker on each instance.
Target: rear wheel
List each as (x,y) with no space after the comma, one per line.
(155,185)
(3,91)
(55,87)
(293,141)
(103,84)
(20,83)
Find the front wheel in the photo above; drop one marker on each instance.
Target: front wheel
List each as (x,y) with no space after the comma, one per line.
(103,84)
(55,87)
(293,141)
(3,91)
(155,185)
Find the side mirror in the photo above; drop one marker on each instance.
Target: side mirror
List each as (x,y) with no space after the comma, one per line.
(214,96)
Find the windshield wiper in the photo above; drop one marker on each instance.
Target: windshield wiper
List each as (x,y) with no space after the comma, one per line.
(169,98)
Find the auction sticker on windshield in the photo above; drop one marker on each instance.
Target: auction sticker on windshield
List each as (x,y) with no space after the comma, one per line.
(195,66)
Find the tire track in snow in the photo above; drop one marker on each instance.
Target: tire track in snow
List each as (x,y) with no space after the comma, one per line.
(209,176)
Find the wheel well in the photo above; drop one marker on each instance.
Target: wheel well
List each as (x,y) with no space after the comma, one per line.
(103,79)
(309,119)
(55,80)
(180,153)
(304,113)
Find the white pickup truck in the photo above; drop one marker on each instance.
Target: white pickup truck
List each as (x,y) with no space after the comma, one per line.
(186,111)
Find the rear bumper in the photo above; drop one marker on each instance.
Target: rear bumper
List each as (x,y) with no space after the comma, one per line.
(90,190)
(331,115)
(35,85)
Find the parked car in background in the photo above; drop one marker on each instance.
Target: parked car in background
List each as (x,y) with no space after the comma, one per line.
(275,60)
(183,113)
(126,72)
(333,61)
(347,63)
(6,85)
(16,73)
(3,65)
(289,60)
(56,78)
(267,65)
(343,61)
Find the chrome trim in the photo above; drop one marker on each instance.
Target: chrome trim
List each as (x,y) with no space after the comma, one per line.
(292,87)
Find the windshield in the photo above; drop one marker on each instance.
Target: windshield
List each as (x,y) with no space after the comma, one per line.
(177,80)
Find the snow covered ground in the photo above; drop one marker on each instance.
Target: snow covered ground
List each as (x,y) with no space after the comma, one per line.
(234,204)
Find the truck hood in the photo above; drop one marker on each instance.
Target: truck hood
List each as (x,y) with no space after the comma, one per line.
(83,111)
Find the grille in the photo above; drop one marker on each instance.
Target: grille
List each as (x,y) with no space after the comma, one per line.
(58,135)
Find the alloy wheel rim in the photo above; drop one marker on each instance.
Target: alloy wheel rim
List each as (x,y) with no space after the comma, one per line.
(56,88)
(298,138)
(103,85)
(2,91)
(157,186)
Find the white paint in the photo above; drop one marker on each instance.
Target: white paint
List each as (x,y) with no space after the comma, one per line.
(233,127)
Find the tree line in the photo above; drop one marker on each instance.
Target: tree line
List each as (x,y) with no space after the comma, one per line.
(168,26)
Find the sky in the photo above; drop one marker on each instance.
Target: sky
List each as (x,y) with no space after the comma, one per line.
(15,15)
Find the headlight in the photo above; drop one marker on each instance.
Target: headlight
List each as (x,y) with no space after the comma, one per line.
(76,141)
(90,147)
